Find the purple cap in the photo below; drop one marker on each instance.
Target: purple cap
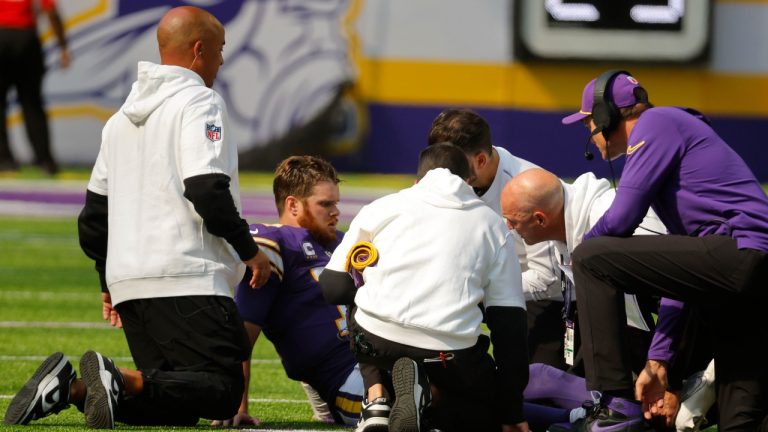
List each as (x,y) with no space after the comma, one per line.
(622,93)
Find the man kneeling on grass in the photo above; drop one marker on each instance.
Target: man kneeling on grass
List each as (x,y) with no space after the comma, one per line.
(442,252)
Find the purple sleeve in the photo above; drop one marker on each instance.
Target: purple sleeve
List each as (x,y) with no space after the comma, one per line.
(629,207)
(254,304)
(652,155)
(669,329)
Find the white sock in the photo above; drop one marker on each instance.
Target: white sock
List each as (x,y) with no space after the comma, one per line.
(577,413)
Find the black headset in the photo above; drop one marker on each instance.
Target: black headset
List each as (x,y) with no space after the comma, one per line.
(604,111)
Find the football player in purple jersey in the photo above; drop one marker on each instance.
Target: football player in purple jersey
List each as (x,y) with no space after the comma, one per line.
(308,333)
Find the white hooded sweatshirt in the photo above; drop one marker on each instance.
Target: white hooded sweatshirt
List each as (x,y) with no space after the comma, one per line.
(171,127)
(442,251)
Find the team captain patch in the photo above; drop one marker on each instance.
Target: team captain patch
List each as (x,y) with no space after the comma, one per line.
(213,132)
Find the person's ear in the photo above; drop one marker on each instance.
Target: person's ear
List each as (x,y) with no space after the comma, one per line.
(292,205)
(197,49)
(481,158)
(540,218)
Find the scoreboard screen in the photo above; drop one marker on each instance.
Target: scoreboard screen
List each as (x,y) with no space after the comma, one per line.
(607,30)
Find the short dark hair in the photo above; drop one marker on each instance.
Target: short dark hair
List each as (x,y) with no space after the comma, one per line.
(464,128)
(641,95)
(443,155)
(298,175)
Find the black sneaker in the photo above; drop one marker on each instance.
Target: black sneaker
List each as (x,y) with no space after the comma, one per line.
(412,395)
(612,414)
(8,166)
(50,167)
(46,393)
(105,385)
(374,416)
(579,415)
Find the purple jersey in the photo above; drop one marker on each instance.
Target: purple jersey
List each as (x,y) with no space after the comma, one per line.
(307,332)
(695,182)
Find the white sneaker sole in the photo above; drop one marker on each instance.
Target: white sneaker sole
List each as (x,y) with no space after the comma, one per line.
(99,409)
(405,411)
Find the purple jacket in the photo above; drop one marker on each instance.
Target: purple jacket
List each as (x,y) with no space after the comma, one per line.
(693,180)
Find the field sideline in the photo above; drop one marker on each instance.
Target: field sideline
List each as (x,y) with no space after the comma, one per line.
(50,301)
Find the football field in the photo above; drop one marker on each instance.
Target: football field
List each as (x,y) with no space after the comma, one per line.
(50,300)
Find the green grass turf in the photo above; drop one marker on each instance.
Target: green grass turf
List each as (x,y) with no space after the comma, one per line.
(248,179)
(45,277)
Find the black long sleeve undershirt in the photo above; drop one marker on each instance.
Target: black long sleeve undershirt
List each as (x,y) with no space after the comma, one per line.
(338,287)
(92,227)
(509,335)
(210,195)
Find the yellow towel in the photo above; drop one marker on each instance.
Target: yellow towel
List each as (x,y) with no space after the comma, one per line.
(363,254)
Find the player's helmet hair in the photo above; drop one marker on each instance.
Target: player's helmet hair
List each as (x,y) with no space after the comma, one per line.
(443,155)
(298,175)
(464,128)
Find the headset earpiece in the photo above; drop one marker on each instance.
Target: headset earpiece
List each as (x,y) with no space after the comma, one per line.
(605,114)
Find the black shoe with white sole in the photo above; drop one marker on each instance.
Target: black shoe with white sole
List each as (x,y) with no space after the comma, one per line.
(374,416)
(412,395)
(46,393)
(105,386)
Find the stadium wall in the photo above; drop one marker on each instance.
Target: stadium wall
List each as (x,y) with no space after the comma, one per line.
(388,67)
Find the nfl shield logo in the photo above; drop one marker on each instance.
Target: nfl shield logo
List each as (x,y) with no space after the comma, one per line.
(213,132)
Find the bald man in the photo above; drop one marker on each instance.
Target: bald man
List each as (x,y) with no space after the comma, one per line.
(540,207)
(161,220)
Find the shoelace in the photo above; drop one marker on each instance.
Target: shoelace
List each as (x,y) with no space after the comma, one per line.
(594,410)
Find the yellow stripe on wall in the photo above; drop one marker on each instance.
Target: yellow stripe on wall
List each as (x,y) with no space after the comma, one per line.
(89,14)
(87,110)
(554,87)
(760,2)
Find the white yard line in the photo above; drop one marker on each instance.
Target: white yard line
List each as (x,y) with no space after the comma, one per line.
(256,400)
(77,325)
(93,295)
(35,358)
(55,324)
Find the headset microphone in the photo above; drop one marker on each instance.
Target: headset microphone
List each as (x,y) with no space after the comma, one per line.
(588,155)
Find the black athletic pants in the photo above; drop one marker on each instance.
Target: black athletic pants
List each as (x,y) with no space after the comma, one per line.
(546,333)
(22,68)
(465,385)
(730,285)
(190,352)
